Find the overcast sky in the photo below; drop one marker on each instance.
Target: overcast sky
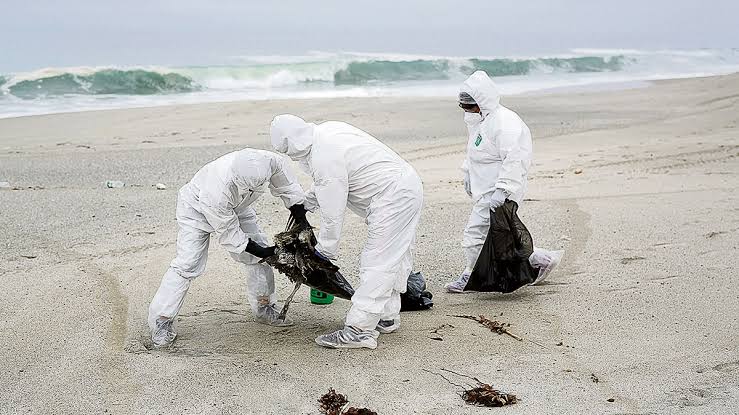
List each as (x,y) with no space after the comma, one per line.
(43,33)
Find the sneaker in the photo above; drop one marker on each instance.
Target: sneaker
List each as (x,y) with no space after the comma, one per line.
(388,326)
(349,338)
(554,259)
(269,315)
(458,285)
(163,335)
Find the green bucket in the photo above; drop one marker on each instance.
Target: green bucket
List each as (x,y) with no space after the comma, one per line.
(320,297)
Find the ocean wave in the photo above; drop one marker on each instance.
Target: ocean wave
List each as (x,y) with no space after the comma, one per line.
(86,81)
(332,72)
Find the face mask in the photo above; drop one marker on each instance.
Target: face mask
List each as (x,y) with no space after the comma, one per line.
(472,118)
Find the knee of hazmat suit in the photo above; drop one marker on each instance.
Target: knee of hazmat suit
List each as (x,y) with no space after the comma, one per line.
(351,169)
(215,198)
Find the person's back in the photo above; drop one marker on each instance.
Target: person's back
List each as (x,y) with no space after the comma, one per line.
(371,166)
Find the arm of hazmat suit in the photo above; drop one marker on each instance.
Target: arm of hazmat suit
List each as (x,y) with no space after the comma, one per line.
(283,184)
(512,171)
(331,187)
(466,178)
(311,203)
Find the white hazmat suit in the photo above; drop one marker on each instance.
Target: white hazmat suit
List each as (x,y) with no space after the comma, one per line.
(350,168)
(217,200)
(499,153)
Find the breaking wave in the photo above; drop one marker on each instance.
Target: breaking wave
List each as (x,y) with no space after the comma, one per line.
(96,82)
(340,70)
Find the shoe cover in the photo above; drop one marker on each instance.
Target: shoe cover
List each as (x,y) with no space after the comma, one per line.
(553,259)
(458,285)
(163,334)
(349,338)
(268,314)
(388,326)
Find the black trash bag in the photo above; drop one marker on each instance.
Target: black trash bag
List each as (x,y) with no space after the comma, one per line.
(416,297)
(503,265)
(296,258)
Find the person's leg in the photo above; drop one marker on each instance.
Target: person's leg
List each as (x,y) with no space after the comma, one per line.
(473,239)
(260,279)
(385,264)
(192,256)
(390,318)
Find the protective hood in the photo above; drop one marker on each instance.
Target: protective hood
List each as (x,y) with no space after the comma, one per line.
(291,135)
(483,90)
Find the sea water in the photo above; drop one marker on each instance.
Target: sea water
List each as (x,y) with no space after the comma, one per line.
(327,75)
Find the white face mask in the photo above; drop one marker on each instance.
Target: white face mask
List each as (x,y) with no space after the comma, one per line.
(472,118)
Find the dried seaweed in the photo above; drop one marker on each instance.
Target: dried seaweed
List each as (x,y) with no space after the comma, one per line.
(486,395)
(359,411)
(494,325)
(482,394)
(332,403)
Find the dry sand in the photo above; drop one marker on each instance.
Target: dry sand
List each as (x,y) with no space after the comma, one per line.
(646,299)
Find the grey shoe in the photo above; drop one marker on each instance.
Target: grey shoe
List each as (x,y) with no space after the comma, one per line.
(163,335)
(349,338)
(388,326)
(268,314)
(457,286)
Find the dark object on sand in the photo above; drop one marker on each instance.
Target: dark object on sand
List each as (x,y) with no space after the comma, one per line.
(503,265)
(296,258)
(359,411)
(494,325)
(482,394)
(486,395)
(416,297)
(332,403)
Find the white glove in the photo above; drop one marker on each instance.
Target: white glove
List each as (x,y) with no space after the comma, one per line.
(498,198)
(467,186)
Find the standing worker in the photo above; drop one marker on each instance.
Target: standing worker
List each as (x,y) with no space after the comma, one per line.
(350,168)
(217,200)
(499,152)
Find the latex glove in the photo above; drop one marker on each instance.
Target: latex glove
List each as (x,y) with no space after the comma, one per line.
(467,186)
(259,250)
(497,199)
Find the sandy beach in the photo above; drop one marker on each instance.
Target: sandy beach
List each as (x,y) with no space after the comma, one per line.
(640,187)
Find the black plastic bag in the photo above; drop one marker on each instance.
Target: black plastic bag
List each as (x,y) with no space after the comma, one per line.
(416,297)
(503,265)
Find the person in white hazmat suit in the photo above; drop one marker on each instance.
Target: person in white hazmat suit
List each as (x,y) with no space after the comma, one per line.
(350,168)
(499,152)
(218,201)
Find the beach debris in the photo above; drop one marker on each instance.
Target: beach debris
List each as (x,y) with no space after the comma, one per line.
(5,185)
(333,403)
(29,256)
(494,325)
(161,186)
(359,411)
(486,395)
(594,378)
(611,400)
(114,184)
(482,394)
(578,171)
